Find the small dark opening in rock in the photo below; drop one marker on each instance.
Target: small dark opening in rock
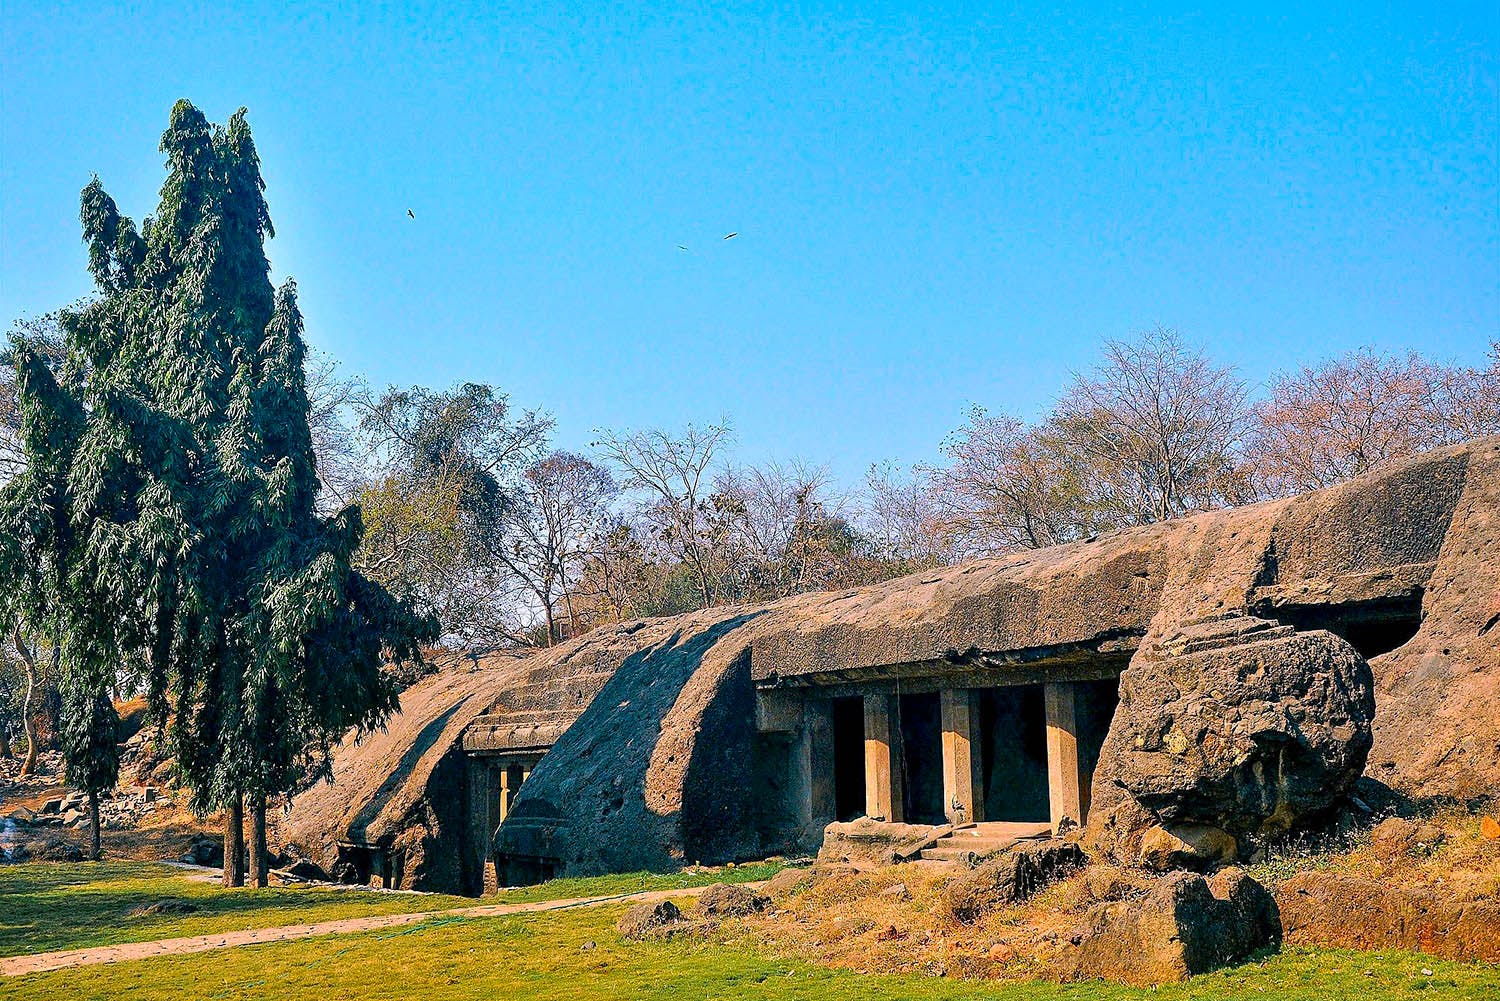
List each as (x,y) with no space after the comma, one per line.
(1371,627)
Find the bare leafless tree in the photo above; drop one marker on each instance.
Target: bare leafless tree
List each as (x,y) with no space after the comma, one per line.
(554,525)
(674,471)
(1160,427)
(1328,422)
(905,518)
(1011,486)
(331,420)
(779,529)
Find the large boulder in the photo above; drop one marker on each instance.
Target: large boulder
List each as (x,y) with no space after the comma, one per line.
(1010,878)
(1243,726)
(1188,925)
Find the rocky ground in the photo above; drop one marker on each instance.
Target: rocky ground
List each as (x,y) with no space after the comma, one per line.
(1424,884)
(41,819)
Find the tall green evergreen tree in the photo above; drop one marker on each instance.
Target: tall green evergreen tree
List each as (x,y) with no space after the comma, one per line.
(40,560)
(191,488)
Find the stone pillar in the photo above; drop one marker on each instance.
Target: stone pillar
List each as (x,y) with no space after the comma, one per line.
(884,793)
(962,783)
(817,803)
(1067,786)
(503,796)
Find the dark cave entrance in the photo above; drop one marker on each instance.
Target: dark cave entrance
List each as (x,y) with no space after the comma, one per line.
(1013,753)
(849,758)
(1372,627)
(922,758)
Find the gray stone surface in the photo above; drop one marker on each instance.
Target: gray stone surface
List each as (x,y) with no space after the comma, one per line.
(643,921)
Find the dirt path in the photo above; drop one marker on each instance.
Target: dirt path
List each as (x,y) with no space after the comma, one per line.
(44,961)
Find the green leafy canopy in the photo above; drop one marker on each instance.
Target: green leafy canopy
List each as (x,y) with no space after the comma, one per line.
(166,518)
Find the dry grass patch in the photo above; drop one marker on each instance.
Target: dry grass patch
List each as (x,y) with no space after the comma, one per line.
(895,920)
(1444,847)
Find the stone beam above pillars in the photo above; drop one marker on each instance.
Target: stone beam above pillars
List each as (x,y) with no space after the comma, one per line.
(1067,785)
(962,780)
(884,793)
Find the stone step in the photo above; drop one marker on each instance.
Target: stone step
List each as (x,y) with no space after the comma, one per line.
(1224,631)
(980,840)
(946,851)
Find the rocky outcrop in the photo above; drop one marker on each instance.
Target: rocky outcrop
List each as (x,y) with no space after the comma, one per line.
(650,920)
(402,787)
(657,772)
(1188,925)
(726,900)
(870,844)
(1010,878)
(1344,911)
(1242,725)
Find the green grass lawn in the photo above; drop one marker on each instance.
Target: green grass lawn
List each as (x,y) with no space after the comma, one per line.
(49,907)
(576,954)
(558,955)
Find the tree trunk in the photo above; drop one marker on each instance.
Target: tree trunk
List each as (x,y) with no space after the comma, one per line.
(551,626)
(234,843)
(94,846)
(260,862)
(27,720)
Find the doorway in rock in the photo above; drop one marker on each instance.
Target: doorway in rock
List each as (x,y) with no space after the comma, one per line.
(1096,705)
(922,758)
(849,757)
(1013,753)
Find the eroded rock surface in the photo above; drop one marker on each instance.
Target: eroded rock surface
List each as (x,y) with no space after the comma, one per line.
(726,900)
(644,921)
(1010,878)
(1188,925)
(1186,846)
(1352,912)
(1245,726)
(868,844)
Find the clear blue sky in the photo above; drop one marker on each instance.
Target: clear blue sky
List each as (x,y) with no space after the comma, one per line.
(936,206)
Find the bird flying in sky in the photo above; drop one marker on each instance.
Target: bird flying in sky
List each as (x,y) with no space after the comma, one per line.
(731,236)
(411,213)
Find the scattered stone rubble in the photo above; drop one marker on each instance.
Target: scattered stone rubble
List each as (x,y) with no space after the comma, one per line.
(119,809)
(1011,877)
